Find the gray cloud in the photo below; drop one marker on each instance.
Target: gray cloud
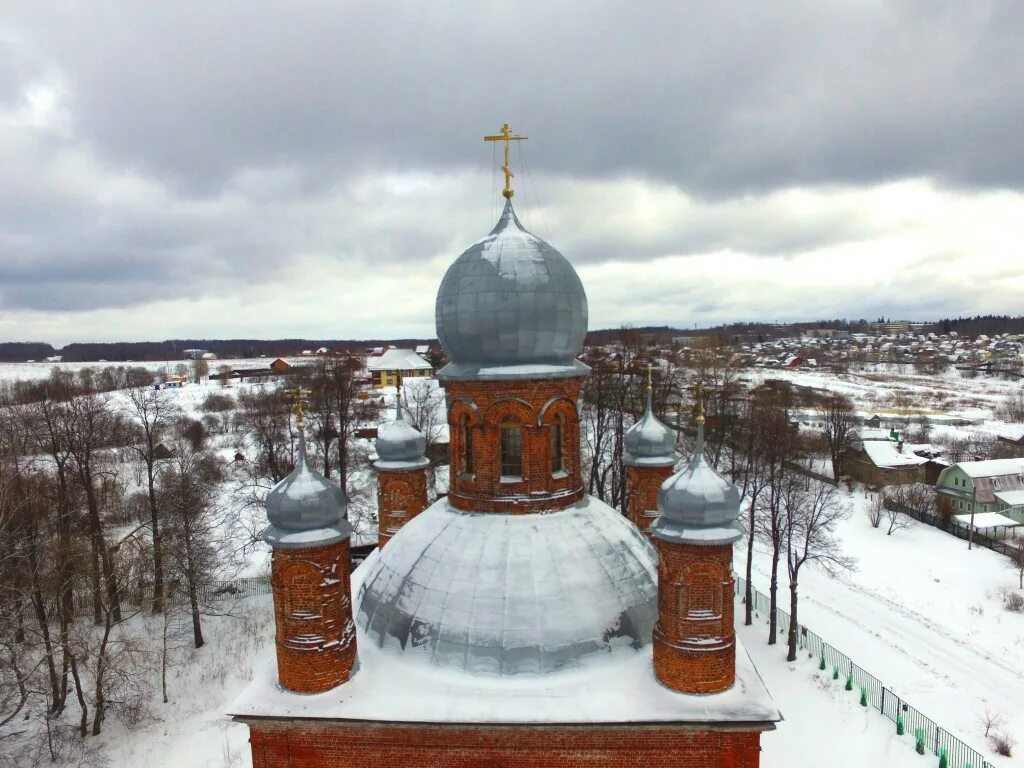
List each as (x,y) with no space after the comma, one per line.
(200,151)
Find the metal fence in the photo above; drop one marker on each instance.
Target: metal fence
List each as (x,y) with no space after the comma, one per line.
(955,527)
(880,697)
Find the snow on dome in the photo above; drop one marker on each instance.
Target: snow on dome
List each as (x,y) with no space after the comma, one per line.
(305,508)
(697,504)
(399,444)
(504,595)
(649,442)
(510,299)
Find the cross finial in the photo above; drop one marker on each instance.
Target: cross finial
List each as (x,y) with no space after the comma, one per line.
(506,136)
(698,394)
(298,396)
(650,368)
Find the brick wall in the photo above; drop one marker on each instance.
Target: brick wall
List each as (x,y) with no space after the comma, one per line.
(401,495)
(278,744)
(695,639)
(315,637)
(535,405)
(642,484)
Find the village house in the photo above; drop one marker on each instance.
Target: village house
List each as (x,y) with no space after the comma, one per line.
(391,363)
(995,485)
(885,462)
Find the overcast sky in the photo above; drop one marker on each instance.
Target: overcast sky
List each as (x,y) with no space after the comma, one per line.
(268,169)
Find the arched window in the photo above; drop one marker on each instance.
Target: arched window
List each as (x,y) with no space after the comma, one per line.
(511,450)
(467,446)
(557,449)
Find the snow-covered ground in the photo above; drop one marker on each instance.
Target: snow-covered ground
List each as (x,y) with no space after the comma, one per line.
(40,370)
(924,615)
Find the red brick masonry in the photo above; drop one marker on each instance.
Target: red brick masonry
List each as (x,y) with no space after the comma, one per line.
(534,405)
(642,494)
(311,744)
(401,495)
(316,638)
(694,639)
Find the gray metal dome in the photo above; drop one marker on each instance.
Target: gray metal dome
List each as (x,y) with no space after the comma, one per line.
(399,444)
(511,299)
(511,594)
(649,442)
(697,504)
(305,508)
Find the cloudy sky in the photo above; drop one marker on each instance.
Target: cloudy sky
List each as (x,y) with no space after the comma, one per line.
(268,169)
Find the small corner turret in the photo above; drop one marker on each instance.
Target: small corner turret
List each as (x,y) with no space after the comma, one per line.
(401,473)
(309,533)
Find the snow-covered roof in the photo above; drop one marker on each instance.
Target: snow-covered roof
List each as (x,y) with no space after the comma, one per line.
(885,453)
(992,467)
(1011,498)
(498,595)
(397,360)
(988,520)
(618,686)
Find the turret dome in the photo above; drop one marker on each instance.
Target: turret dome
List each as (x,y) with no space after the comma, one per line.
(511,300)
(305,508)
(697,504)
(399,444)
(649,442)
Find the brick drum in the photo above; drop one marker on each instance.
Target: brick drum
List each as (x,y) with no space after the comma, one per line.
(535,405)
(694,639)
(401,495)
(315,639)
(281,744)
(642,494)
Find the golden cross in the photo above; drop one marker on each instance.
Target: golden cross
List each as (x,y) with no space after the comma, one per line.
(649,369)
(698,394)
(506,136)
(298,397)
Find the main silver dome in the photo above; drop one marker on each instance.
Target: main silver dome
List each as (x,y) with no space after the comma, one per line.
(511,594)
(305,508)
(511,299)
(697,504)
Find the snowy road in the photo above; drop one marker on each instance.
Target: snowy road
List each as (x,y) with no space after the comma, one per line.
(939,668)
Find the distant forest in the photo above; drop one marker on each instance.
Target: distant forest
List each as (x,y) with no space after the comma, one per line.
(173,349)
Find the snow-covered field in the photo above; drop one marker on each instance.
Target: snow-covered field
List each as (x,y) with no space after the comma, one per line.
(924,615)
(36,371)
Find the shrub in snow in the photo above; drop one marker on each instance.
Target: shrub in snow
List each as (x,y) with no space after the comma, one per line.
(943,758)
(835,672)
(1002,743)
(821,664)
(863,696)
(1014,602)
(919,738)
(849,682)
(900,728)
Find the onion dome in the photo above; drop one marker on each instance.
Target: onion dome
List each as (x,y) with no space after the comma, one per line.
(305,508)
(649,442)
(507,595)
(511,300)
(696,504)
(399,444)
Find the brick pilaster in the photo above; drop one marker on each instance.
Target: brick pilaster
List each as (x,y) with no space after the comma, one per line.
(315,637)
(695,638)
(642,485)
(401,495)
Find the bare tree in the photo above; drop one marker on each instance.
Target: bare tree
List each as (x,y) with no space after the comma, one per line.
(1017,559)
(990,719)
(812,511)
(151,415)
(840,427)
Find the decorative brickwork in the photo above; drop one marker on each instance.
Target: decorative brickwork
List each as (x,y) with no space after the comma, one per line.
(534,407)
(401,495)
(694,639)
(316,639)
(277,744)
(642,495)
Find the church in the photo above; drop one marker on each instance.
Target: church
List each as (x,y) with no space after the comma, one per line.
(516,621)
